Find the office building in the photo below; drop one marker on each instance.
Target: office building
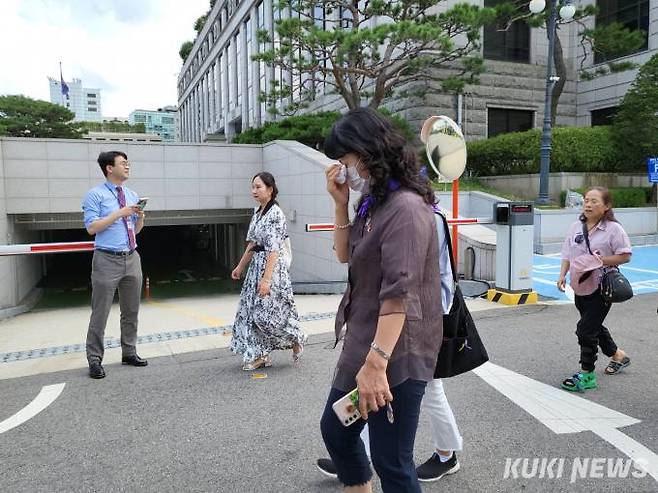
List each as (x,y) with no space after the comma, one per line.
(83,101)
(219,84)
(161,121)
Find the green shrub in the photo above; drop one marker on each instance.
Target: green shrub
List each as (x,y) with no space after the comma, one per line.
(574,149)
(250,136)
(621,197)
(308,129)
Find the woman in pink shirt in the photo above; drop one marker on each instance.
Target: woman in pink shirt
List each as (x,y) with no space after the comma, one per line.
(610,246)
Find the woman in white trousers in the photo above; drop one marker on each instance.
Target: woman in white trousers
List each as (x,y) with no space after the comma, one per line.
(446,438)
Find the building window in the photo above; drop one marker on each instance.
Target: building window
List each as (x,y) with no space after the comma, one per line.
(502,120)
(279,80)
(346,17)
(91,95)
(238,56)
(229,72)
(250,71)
(93,110)
(632,14)
(297,76)
(512,45)
(603,116)
(264,85)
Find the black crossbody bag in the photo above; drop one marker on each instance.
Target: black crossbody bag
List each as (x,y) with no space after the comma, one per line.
(614,286)
(462,349)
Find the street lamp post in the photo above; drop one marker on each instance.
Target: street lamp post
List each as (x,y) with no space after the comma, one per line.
(566,12)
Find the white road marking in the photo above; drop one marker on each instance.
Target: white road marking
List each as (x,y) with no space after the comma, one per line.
(564,412)
(45,398)
(545,281)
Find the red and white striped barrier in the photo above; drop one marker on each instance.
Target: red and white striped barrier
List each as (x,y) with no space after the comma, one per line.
(314,227)
(36,248)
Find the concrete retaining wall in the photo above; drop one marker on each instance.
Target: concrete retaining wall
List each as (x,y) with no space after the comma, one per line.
(20,274)
(551,226)
(527,186)
(299,173)
(52,175)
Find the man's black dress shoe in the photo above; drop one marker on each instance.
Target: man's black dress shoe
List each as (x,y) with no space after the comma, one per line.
(133,360)
(96,370)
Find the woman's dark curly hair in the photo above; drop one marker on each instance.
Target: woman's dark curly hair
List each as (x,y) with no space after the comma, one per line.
(382,148)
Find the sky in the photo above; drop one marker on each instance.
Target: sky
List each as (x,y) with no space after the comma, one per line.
(127,48)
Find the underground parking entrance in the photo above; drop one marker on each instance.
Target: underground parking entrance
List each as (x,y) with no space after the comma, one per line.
(183,253)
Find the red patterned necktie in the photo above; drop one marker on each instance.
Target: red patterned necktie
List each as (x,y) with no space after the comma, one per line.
(131,232)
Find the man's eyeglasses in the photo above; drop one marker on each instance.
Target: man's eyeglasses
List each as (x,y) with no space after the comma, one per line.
(125,164)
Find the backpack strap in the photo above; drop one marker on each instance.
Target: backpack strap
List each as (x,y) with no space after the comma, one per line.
(449,241)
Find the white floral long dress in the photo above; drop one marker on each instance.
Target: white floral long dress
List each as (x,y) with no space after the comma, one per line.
(263,324)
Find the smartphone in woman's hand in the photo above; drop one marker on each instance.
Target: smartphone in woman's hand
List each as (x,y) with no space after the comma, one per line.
(347,408)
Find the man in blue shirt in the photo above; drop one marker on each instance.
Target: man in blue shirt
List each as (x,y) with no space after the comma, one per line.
(111,214)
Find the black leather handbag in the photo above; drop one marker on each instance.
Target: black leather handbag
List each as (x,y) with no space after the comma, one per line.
(462,349)
(614,287)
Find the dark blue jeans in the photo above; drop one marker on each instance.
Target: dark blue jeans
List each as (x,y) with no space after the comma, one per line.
(391,445)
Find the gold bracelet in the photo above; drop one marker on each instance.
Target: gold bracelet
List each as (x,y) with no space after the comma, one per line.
(344,226)
(267,281)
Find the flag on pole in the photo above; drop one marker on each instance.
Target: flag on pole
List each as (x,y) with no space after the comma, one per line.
(65,87)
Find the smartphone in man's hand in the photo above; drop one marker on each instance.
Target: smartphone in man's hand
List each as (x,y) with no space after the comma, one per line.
(141,203)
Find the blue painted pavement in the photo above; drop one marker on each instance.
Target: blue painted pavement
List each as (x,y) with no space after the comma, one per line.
(641,271)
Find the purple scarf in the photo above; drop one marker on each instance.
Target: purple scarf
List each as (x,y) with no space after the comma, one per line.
(369,200)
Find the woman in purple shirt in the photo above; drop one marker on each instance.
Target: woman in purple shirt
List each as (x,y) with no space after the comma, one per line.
(392,307)
(610,246)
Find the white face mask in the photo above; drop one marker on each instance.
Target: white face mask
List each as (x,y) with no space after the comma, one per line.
(356,182)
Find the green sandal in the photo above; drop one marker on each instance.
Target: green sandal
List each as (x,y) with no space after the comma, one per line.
(580,382)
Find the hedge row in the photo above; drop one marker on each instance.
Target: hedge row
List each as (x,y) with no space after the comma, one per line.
(307,129)
(621,197)
(310,129)
(575,149)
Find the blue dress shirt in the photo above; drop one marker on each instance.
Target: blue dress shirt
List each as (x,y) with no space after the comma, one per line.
(100,202)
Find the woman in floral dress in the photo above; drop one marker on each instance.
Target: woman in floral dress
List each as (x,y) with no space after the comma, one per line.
(267,317)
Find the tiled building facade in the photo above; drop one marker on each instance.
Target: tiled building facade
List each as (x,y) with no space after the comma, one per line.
(219,85)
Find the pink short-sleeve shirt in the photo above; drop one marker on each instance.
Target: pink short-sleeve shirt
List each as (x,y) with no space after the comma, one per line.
(608,238)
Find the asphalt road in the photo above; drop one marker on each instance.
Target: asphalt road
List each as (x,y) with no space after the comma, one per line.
(197,422)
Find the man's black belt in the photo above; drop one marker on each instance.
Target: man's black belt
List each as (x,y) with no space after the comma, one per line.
(116,254)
